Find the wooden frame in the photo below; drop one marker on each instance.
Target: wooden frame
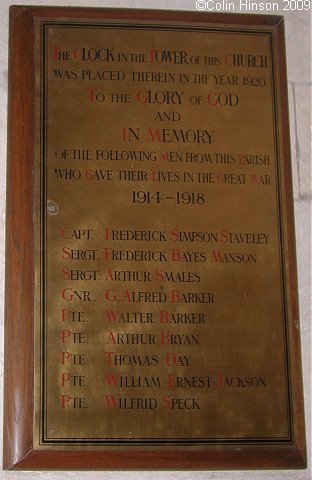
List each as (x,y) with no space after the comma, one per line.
(19,452)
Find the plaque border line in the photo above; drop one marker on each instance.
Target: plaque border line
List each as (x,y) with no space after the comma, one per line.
(283,282)
(45,440)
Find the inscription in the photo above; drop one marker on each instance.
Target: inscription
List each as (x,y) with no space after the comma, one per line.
(162,262)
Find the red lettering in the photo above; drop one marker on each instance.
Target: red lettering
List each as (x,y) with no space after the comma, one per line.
(110,275)
(221,178)
(171,376)
(166,403)
(110,295)
(210,101)
(109,357)
(65,334)
(216,256)
(254,179)
(165,338)
(65,399)
(112,379)
(88,174)
(226,60)
(175,296)
(65,378)
(153,135)
(67,295)
(65,356)
(141,96)
(164,316)
(91,94)
(65,313)
(111,338)
(107,254)
(224,236)
(111,400)
(159,275)
(112,315)
(176,256)
(66,253)
(174,235)
(127,295)
(152,54)
(171,359)
(66,273)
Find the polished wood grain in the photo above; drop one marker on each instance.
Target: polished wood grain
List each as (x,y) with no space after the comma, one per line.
(19,321)
(18,349)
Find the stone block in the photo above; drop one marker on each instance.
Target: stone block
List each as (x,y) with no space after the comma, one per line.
(293,140)
(302,97)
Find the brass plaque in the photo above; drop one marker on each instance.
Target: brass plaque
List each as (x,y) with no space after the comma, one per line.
(162,309)
(162,312)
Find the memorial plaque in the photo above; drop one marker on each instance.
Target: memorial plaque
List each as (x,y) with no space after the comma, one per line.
(151,307)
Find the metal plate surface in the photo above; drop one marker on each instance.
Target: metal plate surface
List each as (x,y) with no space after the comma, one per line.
(163,307)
